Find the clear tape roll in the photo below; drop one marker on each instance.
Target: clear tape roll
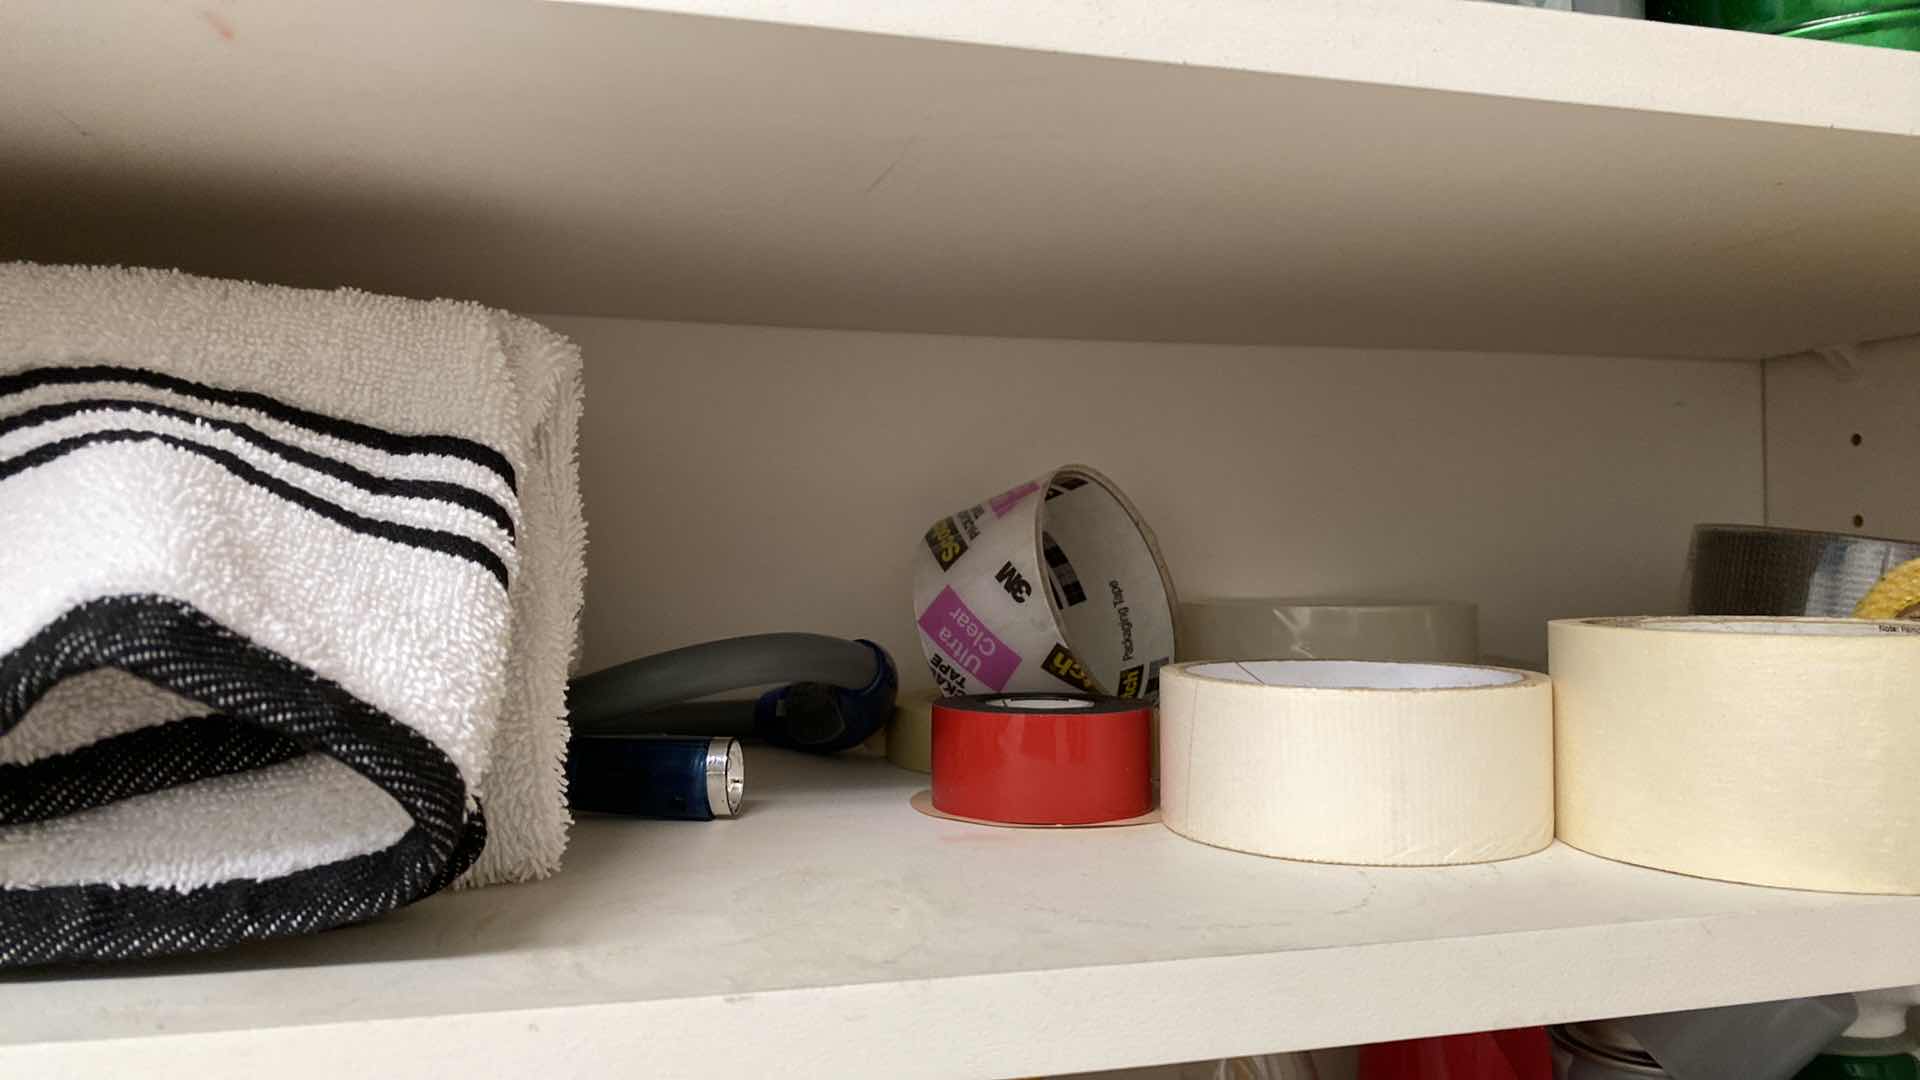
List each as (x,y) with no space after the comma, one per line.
(1759,570)
(1775,751)
(1379,764)
(1276,629)
(1055,584)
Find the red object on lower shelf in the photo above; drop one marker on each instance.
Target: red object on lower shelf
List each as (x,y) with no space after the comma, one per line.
(1515,1054)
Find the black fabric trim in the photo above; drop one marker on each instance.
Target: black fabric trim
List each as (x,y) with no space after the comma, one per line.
(445,491)
(104,923)
(446,543)
(173,645)
(135,763)
(392,442)
(466,852)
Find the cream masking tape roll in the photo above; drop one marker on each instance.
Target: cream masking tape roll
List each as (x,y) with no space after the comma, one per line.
(1258,629)
(1373,763)
(1774,751)
(1054,584)
(910,732)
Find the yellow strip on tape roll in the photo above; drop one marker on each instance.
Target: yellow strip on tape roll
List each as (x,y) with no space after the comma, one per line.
(1382,764)
(1895,596)
(1777,751)
(910,732)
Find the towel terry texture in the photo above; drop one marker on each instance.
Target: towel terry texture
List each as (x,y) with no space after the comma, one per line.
(289,587)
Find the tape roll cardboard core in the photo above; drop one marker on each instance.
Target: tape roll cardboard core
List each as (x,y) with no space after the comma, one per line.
(1040,704)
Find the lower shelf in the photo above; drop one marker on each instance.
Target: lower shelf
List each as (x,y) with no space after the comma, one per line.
(832,930)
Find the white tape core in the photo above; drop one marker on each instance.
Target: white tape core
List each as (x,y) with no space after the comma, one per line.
(1039,704)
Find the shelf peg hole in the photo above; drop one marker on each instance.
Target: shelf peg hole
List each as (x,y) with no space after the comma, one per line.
(1856,439)
(1859,520)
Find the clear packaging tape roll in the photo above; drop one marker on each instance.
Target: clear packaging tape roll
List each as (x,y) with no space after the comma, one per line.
(910,734)
(1774,751)
(1380,764)
(1258,629)
(1053,585)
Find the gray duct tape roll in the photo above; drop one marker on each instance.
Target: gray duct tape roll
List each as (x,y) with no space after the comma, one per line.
(1755,570)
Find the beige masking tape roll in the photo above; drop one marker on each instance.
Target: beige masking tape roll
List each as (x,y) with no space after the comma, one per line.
(1380,764)
(1055,584)
(910,732)
(1776,751)
(1263,629)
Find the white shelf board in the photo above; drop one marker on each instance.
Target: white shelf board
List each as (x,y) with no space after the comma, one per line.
(1407,173)
(834,931)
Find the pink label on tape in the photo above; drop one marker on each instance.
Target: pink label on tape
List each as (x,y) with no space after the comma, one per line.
(1007,500)
(962,636)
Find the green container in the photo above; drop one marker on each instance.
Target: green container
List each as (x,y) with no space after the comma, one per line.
(1893,26)
(1866,1067)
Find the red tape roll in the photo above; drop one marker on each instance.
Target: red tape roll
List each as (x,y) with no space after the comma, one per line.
(1042,759)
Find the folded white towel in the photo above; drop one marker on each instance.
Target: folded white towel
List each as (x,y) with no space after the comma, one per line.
(291,584)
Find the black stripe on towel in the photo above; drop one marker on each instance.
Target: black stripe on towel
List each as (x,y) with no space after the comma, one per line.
(445,491)
(175,646)
(380,439)
(137,762)
(446,543)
